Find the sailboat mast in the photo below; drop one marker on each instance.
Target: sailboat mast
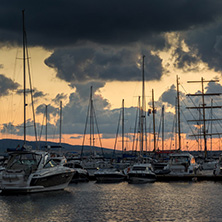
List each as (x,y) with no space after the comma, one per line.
(163,127)
(60,126)
(204,120)
(178,113)
(122,125)
(154,131)
(142,109)
(211,125)
(24,73)
(92,139)
(46,124)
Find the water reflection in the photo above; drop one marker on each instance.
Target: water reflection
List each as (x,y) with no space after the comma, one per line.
(118,202)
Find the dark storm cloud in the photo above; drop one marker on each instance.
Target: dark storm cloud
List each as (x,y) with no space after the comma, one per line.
(7,85)
(36,93)
(58,23)
(187,61)
(59,97)
(206,42)
(82,64)
(51,110)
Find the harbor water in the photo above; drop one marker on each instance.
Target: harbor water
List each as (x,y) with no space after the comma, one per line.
(159,201)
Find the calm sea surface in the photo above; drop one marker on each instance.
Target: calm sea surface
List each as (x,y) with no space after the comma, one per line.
(179,201)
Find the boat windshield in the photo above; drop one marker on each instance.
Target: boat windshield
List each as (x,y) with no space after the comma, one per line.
(179,159)
(50,163)
(22,160)
(139,168)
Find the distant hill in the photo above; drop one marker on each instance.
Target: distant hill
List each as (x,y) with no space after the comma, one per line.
(13,143)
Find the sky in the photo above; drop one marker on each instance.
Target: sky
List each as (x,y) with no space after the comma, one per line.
(74,45)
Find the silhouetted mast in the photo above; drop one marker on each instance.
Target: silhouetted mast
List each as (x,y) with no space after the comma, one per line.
(142,115)
(122,125)
(24,72)
(60,126)
(203,107)
(154,130)
(178,113)
(162,127)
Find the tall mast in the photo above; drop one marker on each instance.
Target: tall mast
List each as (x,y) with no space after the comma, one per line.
(92,139)
(175,132)
(24,73)
(178,113)
(163,127)
(46,123)
(211,116)
(203,107)
(204,119)
(142,116)
(154,131)
(122,125)
(60,126)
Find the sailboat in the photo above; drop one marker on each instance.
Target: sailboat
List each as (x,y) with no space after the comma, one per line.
(32,170)
(94,161)
(141,172)
(114,173)
(206,162)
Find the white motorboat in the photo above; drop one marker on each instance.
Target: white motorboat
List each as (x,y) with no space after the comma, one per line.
(182,164)
(141,173)
(34,171)
(110,175)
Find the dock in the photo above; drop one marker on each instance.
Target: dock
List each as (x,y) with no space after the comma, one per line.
(190,177)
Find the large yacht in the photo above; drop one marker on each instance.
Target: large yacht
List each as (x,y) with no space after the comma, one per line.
(34,171)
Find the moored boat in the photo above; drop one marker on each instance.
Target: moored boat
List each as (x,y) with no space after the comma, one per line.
(141,173)
(81,174)
(34,171)
(182,164)
(110,175)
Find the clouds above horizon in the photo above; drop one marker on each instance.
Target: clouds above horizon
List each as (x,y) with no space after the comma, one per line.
(97,29)
(95,42)
(99,63)
(75,114)
(7,85)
